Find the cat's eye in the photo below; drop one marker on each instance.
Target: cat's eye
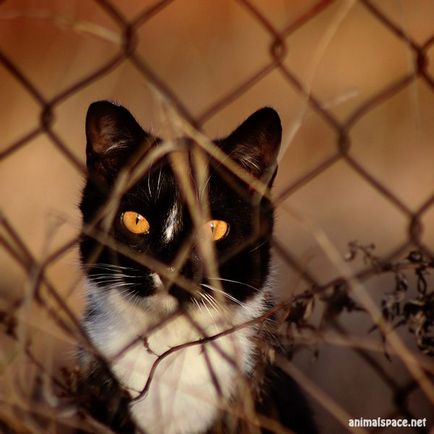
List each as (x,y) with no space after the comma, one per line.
(217,229)
(135,222)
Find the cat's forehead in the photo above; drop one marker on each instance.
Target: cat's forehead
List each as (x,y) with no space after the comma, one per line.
(164,183)
(156,186)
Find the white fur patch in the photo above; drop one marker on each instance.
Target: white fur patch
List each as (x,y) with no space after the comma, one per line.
(182,397)
(172,223)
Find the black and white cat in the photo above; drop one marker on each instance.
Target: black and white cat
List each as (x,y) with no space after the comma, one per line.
(137,312)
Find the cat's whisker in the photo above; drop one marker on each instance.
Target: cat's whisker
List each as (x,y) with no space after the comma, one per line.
(121,287)
(115,276)
(128,295)
(228,296)
(257,247)
(106,274)
(107,284)
(212,304)
(125,284)
(205,185)
(114,282)
(149,187)
(102,279)
(159,183)
(108,278)
(204,302)
(196,303)
(213,301)
(108,266)
(234,281)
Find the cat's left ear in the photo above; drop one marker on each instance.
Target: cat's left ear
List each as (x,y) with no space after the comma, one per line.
(255,144)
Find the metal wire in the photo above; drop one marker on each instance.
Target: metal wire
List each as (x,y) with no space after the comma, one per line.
(277,52)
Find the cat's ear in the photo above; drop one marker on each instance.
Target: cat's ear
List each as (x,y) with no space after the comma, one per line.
(113,136)
(255,144)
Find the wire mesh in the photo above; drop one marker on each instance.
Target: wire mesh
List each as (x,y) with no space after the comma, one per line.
(406,303)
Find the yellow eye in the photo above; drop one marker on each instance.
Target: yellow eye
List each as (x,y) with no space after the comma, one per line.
(217,229)
(135,222)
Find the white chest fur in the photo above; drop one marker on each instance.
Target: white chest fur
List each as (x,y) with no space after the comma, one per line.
(182,397)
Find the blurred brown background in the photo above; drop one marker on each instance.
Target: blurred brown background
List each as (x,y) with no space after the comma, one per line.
(202,50)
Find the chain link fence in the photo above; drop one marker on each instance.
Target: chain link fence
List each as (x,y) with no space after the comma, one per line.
(402,299)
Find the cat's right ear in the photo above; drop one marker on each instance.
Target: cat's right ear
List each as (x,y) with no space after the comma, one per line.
(113,136)
(255,144)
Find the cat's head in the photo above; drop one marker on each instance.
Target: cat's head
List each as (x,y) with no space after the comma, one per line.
(139,224)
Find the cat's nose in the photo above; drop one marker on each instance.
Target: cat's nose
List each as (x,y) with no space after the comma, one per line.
(157,281)
(163,283)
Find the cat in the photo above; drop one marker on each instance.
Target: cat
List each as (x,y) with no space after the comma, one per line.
(137,310)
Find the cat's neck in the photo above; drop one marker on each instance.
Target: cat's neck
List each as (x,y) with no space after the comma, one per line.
(187,386)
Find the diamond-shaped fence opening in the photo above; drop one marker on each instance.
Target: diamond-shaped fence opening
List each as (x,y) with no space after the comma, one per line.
(353,83)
